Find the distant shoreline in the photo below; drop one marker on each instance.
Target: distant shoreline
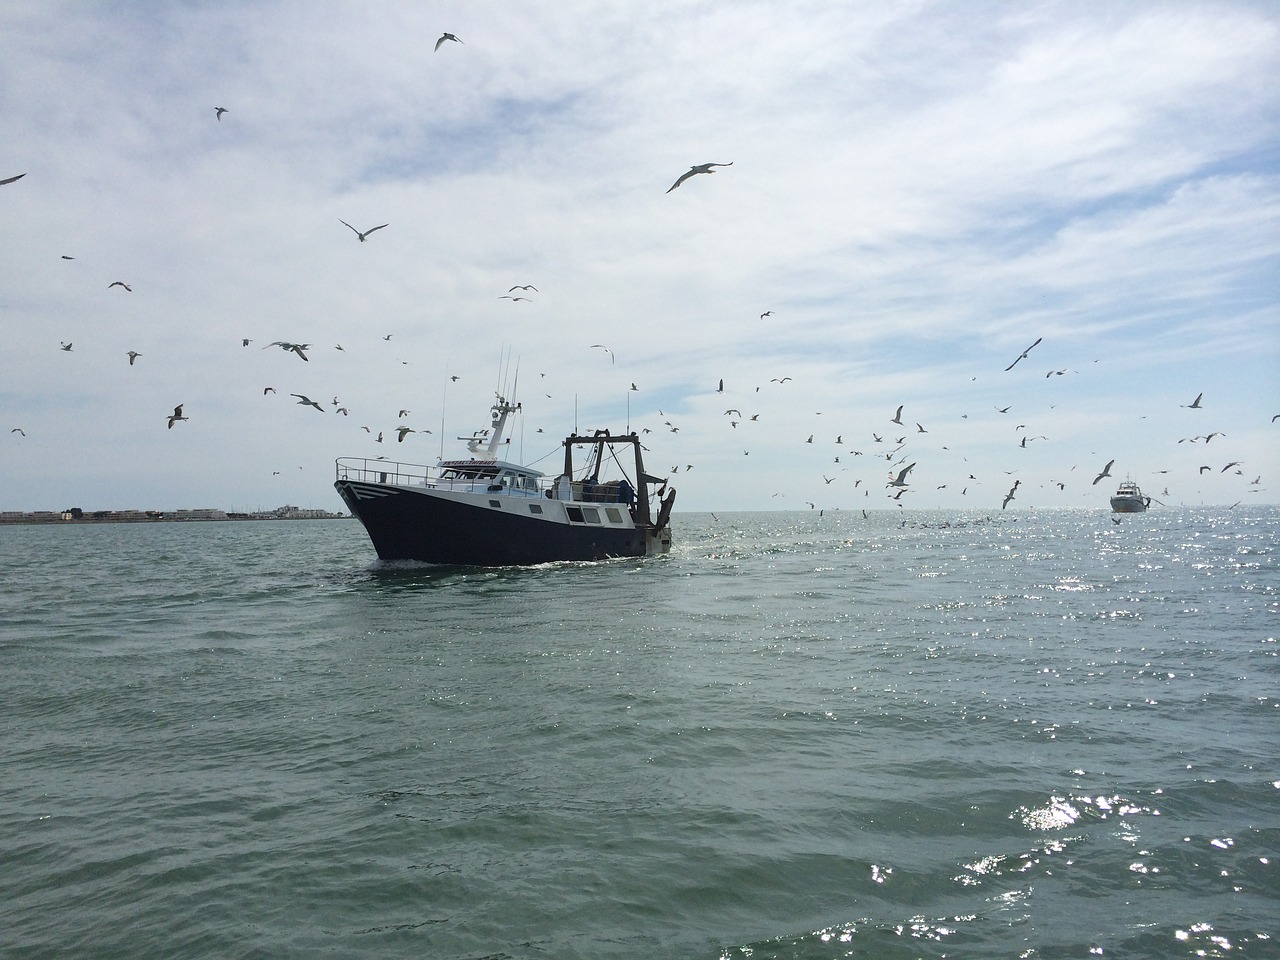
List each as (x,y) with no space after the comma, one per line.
(75,515)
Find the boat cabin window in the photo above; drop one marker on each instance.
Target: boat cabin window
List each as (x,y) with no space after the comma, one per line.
(535,508)
(613,514)
(469,473)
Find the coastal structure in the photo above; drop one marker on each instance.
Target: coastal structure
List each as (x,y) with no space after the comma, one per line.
(132,515)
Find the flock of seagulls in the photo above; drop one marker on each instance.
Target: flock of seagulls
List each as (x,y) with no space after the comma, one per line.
(902,463)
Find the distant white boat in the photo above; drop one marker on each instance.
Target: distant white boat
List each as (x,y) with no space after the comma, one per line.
(1129,499)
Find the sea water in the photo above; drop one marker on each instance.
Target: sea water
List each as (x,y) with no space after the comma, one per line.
(797,735)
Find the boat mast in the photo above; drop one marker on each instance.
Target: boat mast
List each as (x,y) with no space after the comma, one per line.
(502,408)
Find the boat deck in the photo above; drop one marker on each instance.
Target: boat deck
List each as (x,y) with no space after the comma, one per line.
(495,478)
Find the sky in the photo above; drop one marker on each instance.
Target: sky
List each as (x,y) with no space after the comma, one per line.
(918,191)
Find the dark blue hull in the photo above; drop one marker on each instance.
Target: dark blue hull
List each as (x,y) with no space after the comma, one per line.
(408,525)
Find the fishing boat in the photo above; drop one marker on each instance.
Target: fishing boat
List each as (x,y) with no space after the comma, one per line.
(1129,499)
(487,511)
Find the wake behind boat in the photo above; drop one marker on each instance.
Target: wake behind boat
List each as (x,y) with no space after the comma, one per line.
(484,511)
(1129,499)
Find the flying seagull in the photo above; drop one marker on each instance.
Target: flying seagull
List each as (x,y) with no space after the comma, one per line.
(402,431)
(1009,496)
(219,111)
(66,346)
(120,283)
(696,169)
(1022,355)
(1106,472)
(133,355)
(447,36)
(176,416)
(362,236)
(901,479)
(12,179)
(523,286)
(1194,404)
(288,347)
(307,402)
(18,430)
(897,417)
(605,349)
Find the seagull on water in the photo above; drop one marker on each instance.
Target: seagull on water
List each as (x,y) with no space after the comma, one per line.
(1022,355)
(362,236)
(307,402)
(448,36)
(1106,472)
(696,169)
(176,416)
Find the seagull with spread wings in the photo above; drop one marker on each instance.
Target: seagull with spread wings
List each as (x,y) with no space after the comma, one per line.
(307,402)
(448,36)
(901,479)
(1022,355)
(1106,472)
(362,236)
(695,170)
(288,347)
